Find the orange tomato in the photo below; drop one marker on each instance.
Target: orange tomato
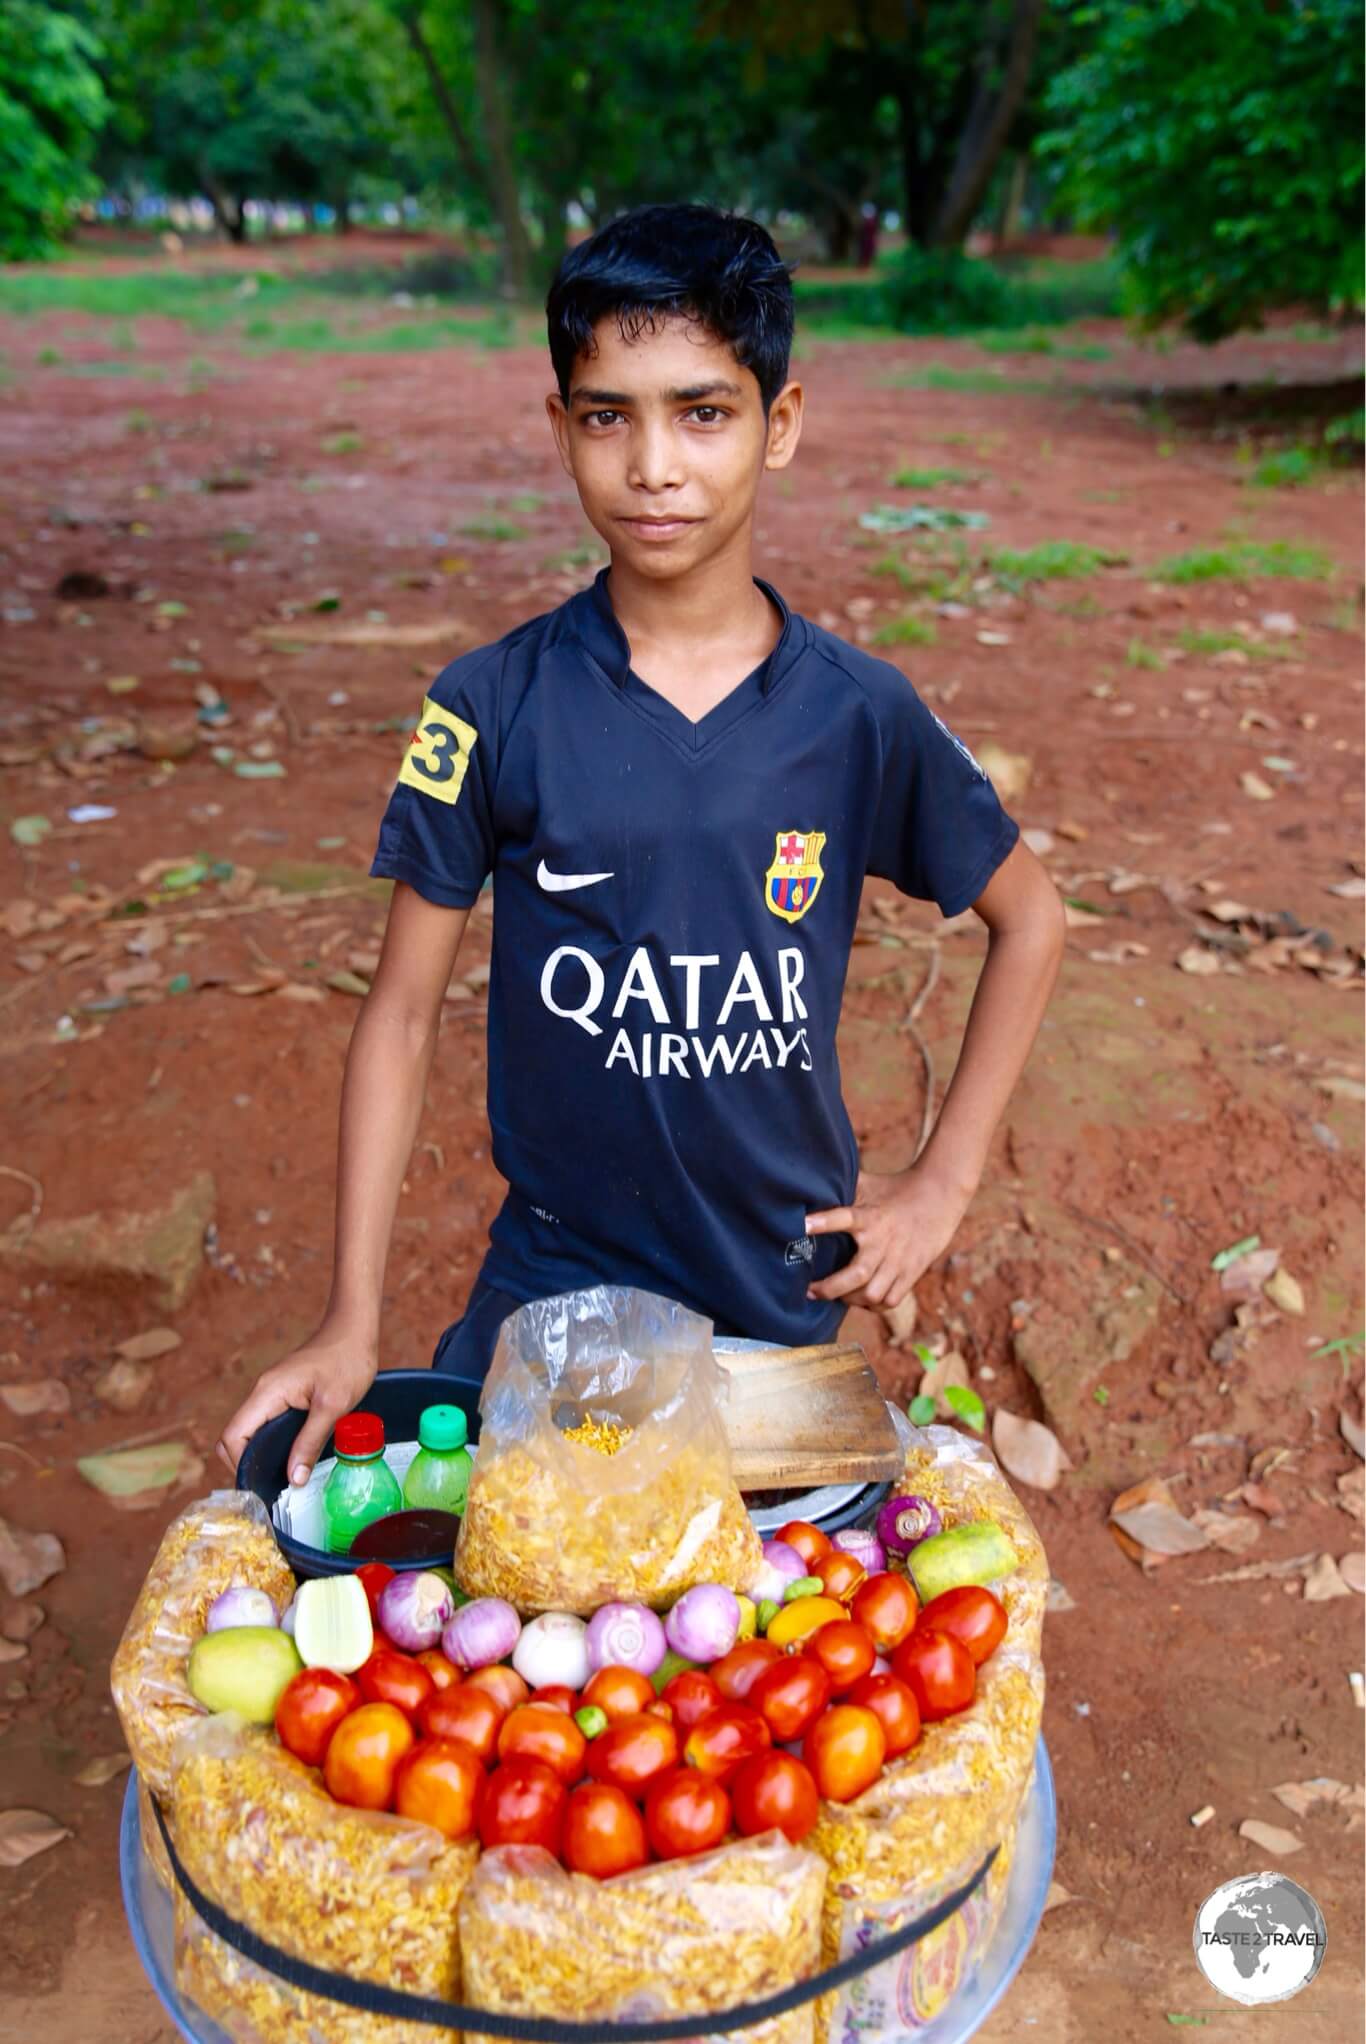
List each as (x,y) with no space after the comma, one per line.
(503,1684)
(894,1707)
(441,1782)
(535,1731)
(844,1750)
(603,1831)
(736,1673)
(619,1693)
(393,1677)
(845,1652)
(886,1606)
(523,1804)
(556,1696)
(797,1621)
(630,1753)
(444,1673)
(791,1695)
(314,1703)
(363,1755)
(775,1792)
(463,1713)
(840,1574)
(972,1614)
(685,1812)
(808,1540)
(723,1739)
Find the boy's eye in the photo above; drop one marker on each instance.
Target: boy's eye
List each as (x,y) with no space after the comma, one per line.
(595,418)
(713,411)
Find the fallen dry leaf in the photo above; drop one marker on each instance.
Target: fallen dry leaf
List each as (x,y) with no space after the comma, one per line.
(1264,1571)
(1351,1490)
(1057,1895)
(1059,1598)
(26,1400)
(1009,772)
(347,982)
(1343,1089)
(1262,1500)
(139,1473)
(1349,890)
(1323,1581)
(12,1650)
(1352,1433)
(1285,1291)
(1352,1569)
(96,1773)
(1234,1533)
(26,1832)
(21,1621)
(1254,786)
(124,1385)
(1270,1837)
(1195,958)
(1226,911)
(900,1321)
(1119,954)
(1246,1275)
(1302,1797)
(1080,918)
(290,990)
(28,1559)
(140,1348)
(1028,1450)
(429,634)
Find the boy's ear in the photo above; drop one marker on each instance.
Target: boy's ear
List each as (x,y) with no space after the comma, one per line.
(559,426)
(784,425)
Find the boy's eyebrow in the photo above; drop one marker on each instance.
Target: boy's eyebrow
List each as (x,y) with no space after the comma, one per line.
(690,394)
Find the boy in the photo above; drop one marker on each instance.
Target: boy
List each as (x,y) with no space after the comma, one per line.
(678,785)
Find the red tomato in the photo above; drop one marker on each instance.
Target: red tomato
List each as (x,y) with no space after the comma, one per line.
(719,1742)
(894,1707)
(736,1673)
(660,1709)
(775,1792)
(630,1753)
(808,1540)
(391,1677)
(972,1615)
(791,1695)
(463,1713)
(845,1652)
(363,1755)
(844,1750)
(372,1577)
(619,1693)
(691,1695)
(938,1671)
(534,1732)
(886,1606)
(685,1812)
(313,1705)
(444,1673)
(603,1832)
(505,1685)
(840,1574)
(556,1696)
(441,1782)
(523,1804)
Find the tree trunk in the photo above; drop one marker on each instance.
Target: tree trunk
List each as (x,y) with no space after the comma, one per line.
(988,125)
(449,111)
(1011,212)
(506,201)
(343,209)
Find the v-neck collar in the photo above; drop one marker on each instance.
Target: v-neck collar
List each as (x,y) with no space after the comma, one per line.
(596,625)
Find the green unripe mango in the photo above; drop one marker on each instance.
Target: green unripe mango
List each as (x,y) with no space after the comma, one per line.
(976,1553)
(245,1668)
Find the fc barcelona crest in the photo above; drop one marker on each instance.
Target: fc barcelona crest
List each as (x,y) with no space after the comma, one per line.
(794,879)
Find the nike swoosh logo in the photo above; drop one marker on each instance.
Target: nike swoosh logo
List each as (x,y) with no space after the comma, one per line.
(562,883)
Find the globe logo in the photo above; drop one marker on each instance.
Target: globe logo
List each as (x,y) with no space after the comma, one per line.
(1260,1939)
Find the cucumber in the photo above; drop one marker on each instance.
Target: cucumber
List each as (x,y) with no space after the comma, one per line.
(976,1553)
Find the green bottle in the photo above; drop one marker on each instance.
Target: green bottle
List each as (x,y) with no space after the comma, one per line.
(362,1487)
(439,1474)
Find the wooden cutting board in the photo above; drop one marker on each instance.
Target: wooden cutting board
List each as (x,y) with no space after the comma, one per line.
(800,1417)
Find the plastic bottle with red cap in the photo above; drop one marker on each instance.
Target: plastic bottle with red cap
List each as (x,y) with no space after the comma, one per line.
(362,1486)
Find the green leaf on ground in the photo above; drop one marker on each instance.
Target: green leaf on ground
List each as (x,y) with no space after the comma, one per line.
(967,1405)
(920,1411)
(30,830)
(1234,1251)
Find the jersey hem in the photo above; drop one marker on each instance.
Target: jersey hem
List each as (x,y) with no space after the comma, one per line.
(395,866)
(963,897)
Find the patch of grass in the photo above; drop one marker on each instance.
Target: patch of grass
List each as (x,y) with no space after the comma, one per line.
(1038,341)
(151,371)
(930,478)
(907,630)
(491,525)
(1203,643)
(342,443)
(1146,657)
(1052,560)
(526,503)
(977,382)
(1286,468)
(1345,617)
(138,421)
(48,358)
(1084,606)
(1347,435)
(1242,560)
(587,554)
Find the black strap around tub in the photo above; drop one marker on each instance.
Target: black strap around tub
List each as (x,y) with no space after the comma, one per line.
(369,1996)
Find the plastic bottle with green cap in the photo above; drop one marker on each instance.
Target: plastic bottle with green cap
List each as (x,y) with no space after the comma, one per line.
(439,1474)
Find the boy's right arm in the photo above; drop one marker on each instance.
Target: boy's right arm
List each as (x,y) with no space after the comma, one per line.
(387,1065)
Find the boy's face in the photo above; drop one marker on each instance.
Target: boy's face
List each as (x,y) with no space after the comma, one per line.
(666,439)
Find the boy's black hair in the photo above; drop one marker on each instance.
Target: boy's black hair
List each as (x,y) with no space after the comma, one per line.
(716,267)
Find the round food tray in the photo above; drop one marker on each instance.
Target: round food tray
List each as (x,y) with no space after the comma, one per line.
(149,1919)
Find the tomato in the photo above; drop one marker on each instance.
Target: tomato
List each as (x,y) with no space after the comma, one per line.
(894,1707)
(845,1652)
(736,1673)
(630,1753)
(441,1782)
(844,1750)
(938,1670)
(603,1832)
(523,1804)
(685,1812)
(660,1709)
(372,1577)
(444,1673)
(775,1792)
(391,1677)
(719,1742)
(463,1713)
(808,1540)
(972,1615)
(313,1705)
(505,1685)
(840,1574)
(799,1620)
(556,1696)
(363,1755)
(791,1695)
(535,1732)
(619,1693)
(886,1606)
(691,1695)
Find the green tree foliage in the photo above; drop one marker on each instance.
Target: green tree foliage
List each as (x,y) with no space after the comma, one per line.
(1221,140)
(52,106)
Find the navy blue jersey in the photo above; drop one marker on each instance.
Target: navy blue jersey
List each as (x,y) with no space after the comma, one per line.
(674,905)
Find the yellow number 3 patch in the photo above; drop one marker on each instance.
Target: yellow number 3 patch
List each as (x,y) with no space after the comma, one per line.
(438,758)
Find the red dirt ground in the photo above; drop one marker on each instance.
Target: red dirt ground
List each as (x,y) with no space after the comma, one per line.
(1161,1118)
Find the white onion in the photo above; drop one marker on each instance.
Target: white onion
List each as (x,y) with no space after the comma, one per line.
(553,1650)
(240,1605)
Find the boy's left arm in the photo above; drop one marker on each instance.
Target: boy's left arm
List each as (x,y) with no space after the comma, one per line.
(902,1222)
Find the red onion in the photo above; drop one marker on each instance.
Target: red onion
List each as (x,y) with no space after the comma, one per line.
(481,1633)
(626,1636)
(905,1521)
(864,1545)
(240,1605)
(704,1624)
(414,1608)
(781,1565)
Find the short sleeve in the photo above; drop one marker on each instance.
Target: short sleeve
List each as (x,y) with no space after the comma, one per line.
(939,831)
(437,832)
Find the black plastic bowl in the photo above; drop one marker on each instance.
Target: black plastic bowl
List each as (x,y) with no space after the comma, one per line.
(400,1397)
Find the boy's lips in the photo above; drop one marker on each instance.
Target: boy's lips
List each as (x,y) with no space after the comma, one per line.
(655,529)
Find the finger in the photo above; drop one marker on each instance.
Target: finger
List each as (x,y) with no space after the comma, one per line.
(900,1290)
(830,1221)
(842,1282)
(880,1284)
(322,1414)
(253,1412)
(225,1458)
